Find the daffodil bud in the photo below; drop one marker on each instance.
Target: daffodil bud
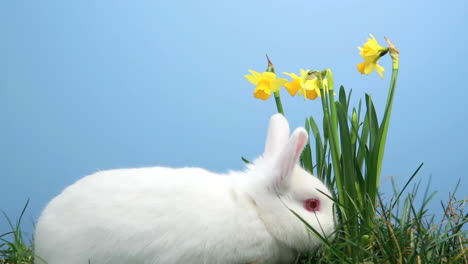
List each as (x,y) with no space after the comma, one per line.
(354,126)
(270,67)
(354,117)
(394,53)
(329,79)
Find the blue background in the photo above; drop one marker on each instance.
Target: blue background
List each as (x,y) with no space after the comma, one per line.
(93,85)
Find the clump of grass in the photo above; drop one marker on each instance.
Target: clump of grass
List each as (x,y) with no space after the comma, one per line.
(404,233)
(414,236)
(14,248)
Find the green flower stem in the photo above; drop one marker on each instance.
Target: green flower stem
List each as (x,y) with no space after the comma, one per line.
(329,111)
(331,125)
(386,120)
(383,130)
(332,137)
(279,106)
(394,53)
(334,118)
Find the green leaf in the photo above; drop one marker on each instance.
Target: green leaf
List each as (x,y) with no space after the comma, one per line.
(406,185)
(319,148)
(306,155)
(342,99)
(383,130)
(347,158)
(246,161)
(373,121)
(362,140)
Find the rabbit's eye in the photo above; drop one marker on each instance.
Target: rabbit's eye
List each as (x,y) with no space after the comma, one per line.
(312,205)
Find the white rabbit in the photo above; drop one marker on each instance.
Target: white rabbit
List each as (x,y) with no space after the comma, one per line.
(190,215)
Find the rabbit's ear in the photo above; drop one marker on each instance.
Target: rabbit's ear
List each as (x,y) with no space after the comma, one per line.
(284,166)
(278,134)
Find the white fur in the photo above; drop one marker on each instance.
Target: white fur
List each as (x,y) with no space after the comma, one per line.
(189,215)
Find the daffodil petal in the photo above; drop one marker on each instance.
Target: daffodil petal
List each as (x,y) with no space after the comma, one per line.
(379,70)
(268,75)
(310,84)
(277,83)
(251,79)
(255,74)
(369,67)
(292,75)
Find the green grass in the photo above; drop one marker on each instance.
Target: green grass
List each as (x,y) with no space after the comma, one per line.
(14,249)
(401,233)
(404,233)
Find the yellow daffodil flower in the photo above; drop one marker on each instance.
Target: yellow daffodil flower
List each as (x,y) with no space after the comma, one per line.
(265,83)
(302,85)
(371,53)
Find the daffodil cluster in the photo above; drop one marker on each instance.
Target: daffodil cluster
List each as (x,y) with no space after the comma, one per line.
(309,84)
(306,84)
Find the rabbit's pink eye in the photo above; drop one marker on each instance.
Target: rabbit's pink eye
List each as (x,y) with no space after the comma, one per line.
(312,205)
